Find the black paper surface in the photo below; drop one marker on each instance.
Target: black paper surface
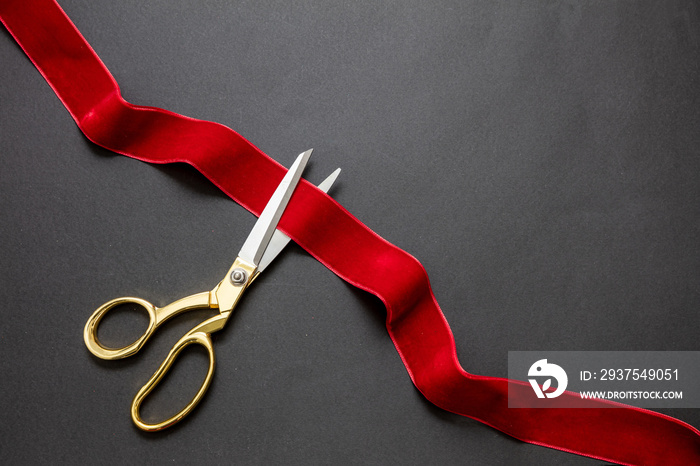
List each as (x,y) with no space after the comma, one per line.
(540,159)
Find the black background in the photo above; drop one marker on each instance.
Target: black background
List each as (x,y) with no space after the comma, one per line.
(539,158)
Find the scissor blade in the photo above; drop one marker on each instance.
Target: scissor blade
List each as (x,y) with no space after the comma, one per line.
(279,240)
(262,231)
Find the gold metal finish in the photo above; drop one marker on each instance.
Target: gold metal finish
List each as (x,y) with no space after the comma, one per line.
(156,315)
(224,297)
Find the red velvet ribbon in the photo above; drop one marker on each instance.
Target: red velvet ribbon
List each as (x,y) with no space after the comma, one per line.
(347,247)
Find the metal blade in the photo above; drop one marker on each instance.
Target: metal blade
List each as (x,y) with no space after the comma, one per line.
(279,240)
(262,231)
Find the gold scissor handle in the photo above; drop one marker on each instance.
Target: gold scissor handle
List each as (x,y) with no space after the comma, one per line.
(201,335)
(156,316)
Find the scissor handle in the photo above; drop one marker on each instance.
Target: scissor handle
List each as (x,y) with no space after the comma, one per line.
(156,316)
(201,335)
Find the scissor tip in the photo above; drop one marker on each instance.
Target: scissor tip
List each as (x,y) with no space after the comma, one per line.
(331,178)
(301,160)
(328,182)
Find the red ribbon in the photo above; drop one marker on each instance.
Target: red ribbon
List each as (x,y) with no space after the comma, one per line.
(347,247)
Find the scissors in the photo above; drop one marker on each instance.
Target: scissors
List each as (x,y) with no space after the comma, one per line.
(263,244)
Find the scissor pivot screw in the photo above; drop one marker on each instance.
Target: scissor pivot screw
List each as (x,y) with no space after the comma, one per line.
(239,276)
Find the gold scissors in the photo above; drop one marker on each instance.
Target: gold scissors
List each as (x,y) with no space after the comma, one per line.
(263,244)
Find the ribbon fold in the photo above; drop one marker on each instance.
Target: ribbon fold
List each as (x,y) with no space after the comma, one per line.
(351,250)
